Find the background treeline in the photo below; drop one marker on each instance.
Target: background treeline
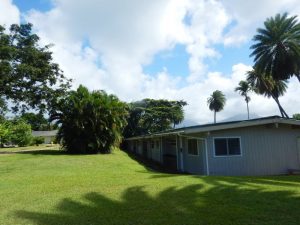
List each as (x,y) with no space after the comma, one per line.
(17,132)
(93,122)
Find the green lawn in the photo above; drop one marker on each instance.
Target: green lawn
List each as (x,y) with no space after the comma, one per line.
(30,148)
(49,187)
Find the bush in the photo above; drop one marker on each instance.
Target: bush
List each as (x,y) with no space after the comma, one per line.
(38,140)
(20,133)
(91,122)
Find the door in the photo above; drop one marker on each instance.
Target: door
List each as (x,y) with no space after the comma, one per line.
(181,153)
(298,145)
(201,149)
(145,149)
(194,160)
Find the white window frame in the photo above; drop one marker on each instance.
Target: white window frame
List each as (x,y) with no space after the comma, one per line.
(188,146)
(232,137)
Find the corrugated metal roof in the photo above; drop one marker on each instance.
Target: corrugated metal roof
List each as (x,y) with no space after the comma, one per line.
(223,125)
(46,133)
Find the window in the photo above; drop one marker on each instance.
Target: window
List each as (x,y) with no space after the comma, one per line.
(227,146)
(192,147)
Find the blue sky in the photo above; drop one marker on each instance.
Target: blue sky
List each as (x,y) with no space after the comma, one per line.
(171,49)
(175,60)
(26,5)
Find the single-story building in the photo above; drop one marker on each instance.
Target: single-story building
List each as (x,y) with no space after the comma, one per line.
(264,146)
(49,135)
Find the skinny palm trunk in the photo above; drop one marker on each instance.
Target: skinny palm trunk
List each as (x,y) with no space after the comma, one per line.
(248,110)
(215,116)
(282,111)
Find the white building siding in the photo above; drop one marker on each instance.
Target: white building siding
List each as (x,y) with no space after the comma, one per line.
(265,151)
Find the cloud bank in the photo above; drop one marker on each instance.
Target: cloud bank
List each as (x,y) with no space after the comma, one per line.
(106,45)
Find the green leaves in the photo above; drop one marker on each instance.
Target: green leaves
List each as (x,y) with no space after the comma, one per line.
(296,116)
(276,50)
(216,101)
(263,84)
(28,77)
(150,116)
(16,131)
(91,122)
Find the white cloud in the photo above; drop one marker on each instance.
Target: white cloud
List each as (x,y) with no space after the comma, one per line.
(9,13)
(207,21)
(248,15)
(105,44)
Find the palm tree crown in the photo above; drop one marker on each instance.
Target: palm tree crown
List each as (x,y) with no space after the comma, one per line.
(267,86)
(244,88)
(216,102)
(277,47)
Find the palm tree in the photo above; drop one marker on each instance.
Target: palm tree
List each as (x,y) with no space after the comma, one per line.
(267,86)
(216,102)
(277,47)
(244,88)
(90,122)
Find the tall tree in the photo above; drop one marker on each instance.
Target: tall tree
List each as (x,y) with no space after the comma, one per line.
(37,121)
(276,49)
(267,86)
(91,122)
(244,88)
(28,76)
(150,115)
(216,103)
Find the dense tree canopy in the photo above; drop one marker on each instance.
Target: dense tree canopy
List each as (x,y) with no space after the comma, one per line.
(91,122)
(276,48)
(150,116)
(37,121)
(15,131)
(296,116)
(28,76)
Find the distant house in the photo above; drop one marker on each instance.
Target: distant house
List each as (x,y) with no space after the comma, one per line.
(265,146)
(48,136)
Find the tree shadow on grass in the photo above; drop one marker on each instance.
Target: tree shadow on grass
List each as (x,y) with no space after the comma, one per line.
(44,152)
(195,204)
(281,180)
(151,165)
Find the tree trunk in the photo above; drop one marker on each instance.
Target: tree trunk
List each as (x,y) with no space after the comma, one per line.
(215,116)
(248,110)
(282,111)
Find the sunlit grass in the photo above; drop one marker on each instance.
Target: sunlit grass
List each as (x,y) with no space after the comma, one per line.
(34,147)
(50,187)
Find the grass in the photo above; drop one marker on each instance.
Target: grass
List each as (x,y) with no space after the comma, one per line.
(50,187)
(30,148)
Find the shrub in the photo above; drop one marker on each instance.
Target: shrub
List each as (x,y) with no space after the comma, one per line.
(20,133)
(91,122)
(38,140)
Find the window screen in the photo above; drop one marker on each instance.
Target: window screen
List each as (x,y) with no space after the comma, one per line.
(234,147)
(227,146)
(220,146)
